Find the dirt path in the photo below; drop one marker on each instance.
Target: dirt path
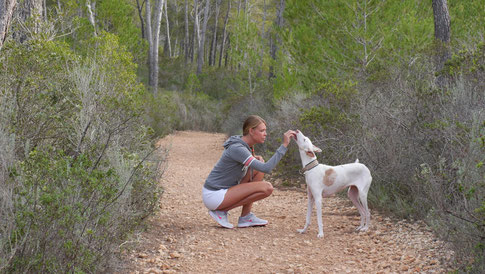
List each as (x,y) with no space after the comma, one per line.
(182,238)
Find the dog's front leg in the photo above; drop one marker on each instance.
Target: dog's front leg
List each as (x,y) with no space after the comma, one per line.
(318,205)
(308,212)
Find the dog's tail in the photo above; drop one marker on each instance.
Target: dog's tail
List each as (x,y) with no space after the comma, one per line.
(357,160)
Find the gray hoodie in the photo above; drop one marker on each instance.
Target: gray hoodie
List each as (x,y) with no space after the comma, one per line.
(234,163)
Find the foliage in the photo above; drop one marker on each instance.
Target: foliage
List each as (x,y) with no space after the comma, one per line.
(329,40)
(468,22)
(169,111)
(80,172)
(358,77)
(113,16)
(119,18)
(454,180)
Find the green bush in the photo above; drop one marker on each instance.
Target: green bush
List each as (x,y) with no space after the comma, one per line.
(66,209)
(80,172)
(170,111)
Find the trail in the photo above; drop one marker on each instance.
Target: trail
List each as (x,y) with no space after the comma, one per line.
(182,238)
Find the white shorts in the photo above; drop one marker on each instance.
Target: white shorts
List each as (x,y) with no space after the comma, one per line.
(213,198)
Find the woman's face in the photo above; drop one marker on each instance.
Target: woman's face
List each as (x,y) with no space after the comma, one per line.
(259,133)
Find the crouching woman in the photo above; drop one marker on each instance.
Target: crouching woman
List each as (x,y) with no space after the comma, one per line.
(237,178)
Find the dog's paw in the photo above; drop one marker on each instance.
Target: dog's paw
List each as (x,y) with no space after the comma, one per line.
(301,231)
(320,235)
(363,229)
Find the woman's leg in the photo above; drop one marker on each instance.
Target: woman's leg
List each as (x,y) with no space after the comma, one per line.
(244,195)
(257,177)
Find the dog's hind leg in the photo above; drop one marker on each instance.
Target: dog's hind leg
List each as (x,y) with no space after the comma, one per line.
(354,195)
(308,212)
(363,201)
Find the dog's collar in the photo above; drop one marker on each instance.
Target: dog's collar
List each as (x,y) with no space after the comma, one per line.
(309,166)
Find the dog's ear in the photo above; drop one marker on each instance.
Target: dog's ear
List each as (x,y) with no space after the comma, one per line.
(310,153)
(316,149)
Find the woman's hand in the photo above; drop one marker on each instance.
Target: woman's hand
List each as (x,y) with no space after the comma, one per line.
(287,137)
(259,158)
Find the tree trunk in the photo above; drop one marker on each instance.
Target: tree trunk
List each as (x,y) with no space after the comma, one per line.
(7,8)
(149,35)
(227,52)
(275,40)
(28,9)
(200,53)
(212,60)
(168,31)
(153,42)
(140,15)
(442,34)
(176,48)
(186,39)
(260,71)
(195,37)
(91,15)
(224,33)
(441,21)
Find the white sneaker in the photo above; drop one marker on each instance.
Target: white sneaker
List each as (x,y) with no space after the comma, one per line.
(251,220)
(221,218)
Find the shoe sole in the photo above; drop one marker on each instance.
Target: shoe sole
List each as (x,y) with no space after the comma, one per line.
(249,225)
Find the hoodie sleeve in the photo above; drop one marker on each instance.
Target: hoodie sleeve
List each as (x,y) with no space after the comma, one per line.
(268,166)
(242,155)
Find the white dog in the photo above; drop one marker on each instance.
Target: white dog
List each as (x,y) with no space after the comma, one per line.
(323,180)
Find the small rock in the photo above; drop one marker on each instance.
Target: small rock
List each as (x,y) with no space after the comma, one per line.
(174,255)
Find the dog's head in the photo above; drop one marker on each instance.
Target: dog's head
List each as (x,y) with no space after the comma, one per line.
(304,144)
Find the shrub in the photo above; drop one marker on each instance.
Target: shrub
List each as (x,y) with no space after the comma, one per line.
(78,172)
(170,111)
(327,116)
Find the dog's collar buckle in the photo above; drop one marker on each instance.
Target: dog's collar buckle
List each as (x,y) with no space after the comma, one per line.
(309,166)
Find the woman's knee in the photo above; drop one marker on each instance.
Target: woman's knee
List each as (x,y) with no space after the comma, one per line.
(268,188)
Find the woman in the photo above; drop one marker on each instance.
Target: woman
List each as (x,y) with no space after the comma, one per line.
(237,178)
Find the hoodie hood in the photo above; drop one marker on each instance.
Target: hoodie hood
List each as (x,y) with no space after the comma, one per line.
(236,139)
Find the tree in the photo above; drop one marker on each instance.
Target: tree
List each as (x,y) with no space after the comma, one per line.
(200,52)
(153,42)
(31,9)
(140,15)
(441,34)
(212,56)
(195,36)
(441,21)
(224,33)
(7,8)
(91,15)
(186,37)
(168,45)
(276,39)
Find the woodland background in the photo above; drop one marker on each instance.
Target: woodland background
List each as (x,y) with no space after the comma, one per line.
(86,87)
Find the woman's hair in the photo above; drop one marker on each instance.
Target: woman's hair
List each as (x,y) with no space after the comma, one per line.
(251,122)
